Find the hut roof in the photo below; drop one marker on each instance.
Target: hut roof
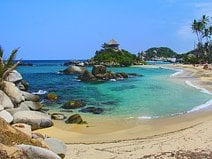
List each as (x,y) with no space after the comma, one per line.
(112,42)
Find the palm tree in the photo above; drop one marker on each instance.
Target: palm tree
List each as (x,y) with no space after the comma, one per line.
(7,66)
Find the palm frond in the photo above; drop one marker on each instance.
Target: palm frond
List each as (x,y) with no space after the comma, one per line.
(6,73)
(11,58)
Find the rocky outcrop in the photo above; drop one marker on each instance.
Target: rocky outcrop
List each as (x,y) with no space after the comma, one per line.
(74,70)
(14,76)
(100,73)
(6,116)
(31,105)
(56,146)
(87,77)
(37,120)
(75,119)
(34,152)
(73,104)
(93,110)
(5,101)
(98,69)
(30,97)
(13,92)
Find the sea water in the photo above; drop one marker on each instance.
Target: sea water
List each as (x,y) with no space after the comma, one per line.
(151,94)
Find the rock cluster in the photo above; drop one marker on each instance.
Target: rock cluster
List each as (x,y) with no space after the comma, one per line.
(21,109)
(100,73)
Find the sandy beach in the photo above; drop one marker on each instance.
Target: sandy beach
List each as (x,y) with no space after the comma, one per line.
(166,137)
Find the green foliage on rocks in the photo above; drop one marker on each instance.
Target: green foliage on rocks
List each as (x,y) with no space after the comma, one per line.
(159,52)
(113,57)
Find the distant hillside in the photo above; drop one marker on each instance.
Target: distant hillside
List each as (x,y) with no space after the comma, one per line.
(159,52)
(111,57)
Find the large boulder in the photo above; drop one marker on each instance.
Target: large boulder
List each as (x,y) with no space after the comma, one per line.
(75,119)
(73,104)
(13,92)
(56,146)
(37,120)
(11,152)
(87,77)
(34,152)
(5,101)
(74,70)
(32,105)
(98,69)
(14,76)
(30,97)
(21,107)
(6,116)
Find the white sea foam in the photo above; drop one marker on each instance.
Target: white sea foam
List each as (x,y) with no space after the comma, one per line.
(40,92)
(202,106)
(148,117)
(203,90)
(113,80)
(179,71)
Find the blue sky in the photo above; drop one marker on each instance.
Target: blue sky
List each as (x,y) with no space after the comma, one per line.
(75,29)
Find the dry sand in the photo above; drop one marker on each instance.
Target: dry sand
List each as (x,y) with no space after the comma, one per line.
(185,135)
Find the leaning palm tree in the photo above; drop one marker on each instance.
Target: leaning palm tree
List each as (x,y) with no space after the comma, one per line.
(7,66)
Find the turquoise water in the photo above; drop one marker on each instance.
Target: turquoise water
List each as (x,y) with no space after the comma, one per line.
(150,95)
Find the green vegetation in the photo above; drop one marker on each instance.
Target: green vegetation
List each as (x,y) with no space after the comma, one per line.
(7,66)
(159,52)
(203,30)
(113,57)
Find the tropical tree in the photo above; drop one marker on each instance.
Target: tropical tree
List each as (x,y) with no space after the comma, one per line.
(6,66)
(203,30)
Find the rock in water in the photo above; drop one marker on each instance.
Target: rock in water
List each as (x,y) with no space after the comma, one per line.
(34,152)
(74,70)
(30,97)
(6,116)
(98,69)
(52,97)
(32,105)
(74,119)
(73,104)
(58,116)
(88,77)
(14,76)
(36,119)
(5,101)
(56,146)
(13,92)
(93,110)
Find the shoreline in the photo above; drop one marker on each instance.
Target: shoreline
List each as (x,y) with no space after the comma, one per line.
(189,132)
